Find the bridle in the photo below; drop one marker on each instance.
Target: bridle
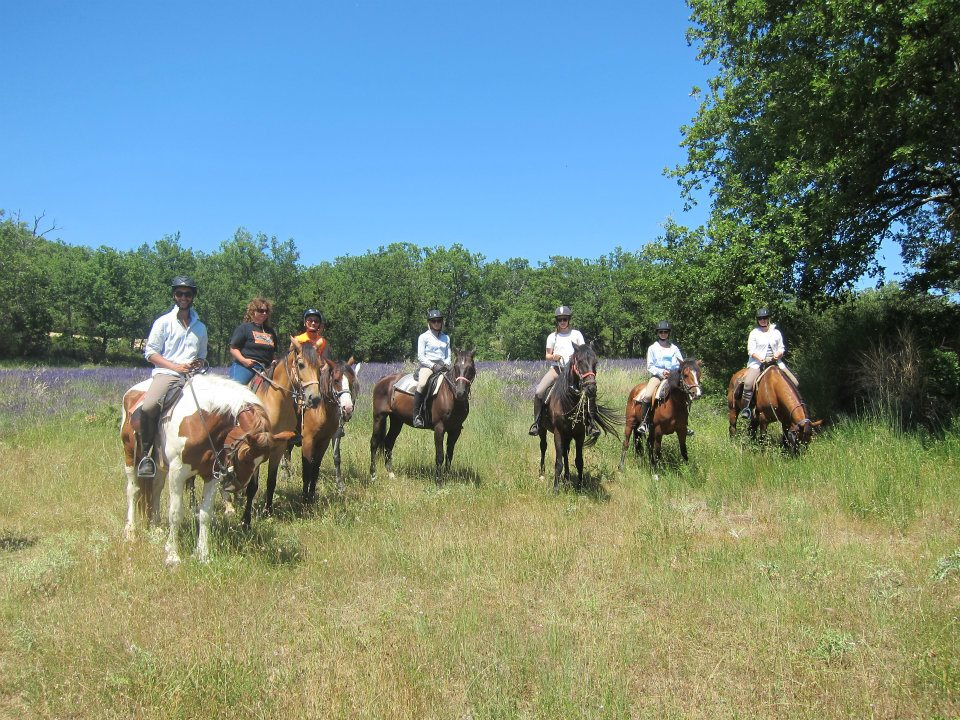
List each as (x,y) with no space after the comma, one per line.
(454,379)
(688,388)
(297,385)
(584,376)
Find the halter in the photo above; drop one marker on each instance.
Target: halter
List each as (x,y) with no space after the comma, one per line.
(688,389)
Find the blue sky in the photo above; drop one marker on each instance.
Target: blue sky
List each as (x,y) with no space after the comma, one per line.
(517,129)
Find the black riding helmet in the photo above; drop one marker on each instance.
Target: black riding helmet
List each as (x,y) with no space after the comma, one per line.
(664,325)
(183,281)
(316,313)
(763,313)
(563,311)
(434,315)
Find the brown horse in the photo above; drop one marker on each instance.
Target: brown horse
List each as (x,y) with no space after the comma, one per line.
(777,400)
(667,416)
(571,405)
(451,405)
(290,389)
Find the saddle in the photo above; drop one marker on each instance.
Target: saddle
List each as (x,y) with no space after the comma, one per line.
(662,391)
(407,385)
(174,392)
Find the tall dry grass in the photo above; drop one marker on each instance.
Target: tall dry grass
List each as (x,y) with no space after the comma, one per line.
(746,584)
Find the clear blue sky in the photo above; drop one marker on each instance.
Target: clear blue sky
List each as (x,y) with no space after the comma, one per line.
(517,129)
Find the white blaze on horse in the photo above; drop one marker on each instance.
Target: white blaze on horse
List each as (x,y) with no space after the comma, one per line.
(223,441)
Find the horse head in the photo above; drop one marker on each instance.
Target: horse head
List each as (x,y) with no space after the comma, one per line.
(462,373)
(798,436)
(687,378)
(582,370)
(342,378)
(304,367)
(247,445)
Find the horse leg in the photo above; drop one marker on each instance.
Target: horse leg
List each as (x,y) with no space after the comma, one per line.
(376,442)
(203,536)
(543,452)
(272,467)
(578,459)
(178,477)
(560,450)
(341,488)
(438,432)
(453,434)
(396,425)
(136,500)
(251,493)
(682,439)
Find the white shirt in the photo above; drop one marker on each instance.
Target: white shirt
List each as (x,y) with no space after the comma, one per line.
(562,342)
(765,344)
(432,349)
(178,344)
(661,358)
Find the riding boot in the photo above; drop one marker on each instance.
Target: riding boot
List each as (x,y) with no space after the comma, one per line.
(747,400)
(147,468)
(417,409)
(644,411)
(537,411)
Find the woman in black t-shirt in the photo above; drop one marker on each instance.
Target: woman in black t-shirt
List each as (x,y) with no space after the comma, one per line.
(253,344)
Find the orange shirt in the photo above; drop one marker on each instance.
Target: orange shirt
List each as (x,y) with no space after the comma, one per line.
(320,344)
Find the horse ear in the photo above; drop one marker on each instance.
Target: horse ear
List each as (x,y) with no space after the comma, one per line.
(295,344)
(352,361)
(575,346)
(472,352)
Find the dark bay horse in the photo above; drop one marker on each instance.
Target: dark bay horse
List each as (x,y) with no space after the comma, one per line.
(777,400)
(218,430)
(290,389)
(668,416)
(450,407)
(570,406)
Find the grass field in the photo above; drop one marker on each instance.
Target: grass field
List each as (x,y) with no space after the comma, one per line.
(746,584)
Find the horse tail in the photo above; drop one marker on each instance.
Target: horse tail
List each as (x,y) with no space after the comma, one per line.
(609,421)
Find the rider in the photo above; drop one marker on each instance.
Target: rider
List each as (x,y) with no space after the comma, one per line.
(433,354)
(560,346)
(662,357)
(314,324)
(254,342)
(764,346)
(177,341)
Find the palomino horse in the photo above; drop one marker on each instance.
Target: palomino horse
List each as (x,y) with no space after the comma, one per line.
(668,415)
(289,389)
(451,405)
(571,405)
(217,430)
(777,400)
(320,425)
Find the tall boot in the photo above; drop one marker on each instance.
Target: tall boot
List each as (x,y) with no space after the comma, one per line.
(147,468)
(644,412)
(747,401)
(418,409)
(537,412)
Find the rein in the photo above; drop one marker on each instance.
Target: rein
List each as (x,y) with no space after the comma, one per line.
(222,474)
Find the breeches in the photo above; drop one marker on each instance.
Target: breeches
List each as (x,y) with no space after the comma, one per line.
(156,392)
(650,391)
(423,375)
(750,378)
(546,382)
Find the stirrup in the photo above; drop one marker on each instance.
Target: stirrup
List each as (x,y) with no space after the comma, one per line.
(690,432)
(644,428)
(746,414)
(593,431)
(418,421)
(534,429)
(147,467)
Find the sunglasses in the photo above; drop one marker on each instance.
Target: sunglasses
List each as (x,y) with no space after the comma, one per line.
(182,294)
(439,320)
(261,310)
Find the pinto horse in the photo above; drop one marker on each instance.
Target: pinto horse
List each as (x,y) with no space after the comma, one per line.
(451,405)
(777,400)
(289,390)
(569,407)
(217,430)
(666,416)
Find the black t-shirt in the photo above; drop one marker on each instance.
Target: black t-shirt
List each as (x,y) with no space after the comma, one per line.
(256,342)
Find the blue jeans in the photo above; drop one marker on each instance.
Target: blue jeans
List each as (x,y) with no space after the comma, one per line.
(241,374)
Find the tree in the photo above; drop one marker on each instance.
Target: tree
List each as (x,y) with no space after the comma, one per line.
(23,272)
(829,128)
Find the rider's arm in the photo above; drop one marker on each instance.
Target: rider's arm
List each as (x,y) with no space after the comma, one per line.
(161,362)
(238,356)
(551,341)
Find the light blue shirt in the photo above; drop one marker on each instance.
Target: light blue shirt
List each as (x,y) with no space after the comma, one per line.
(661,358)
(178,344)
(432,349)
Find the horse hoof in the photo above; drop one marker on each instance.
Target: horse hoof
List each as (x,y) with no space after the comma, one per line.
(393,476)
(172,561)
(543,477)
(129,534)
(229,510)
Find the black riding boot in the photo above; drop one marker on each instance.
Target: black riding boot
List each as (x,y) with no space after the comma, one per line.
(537,412)
(747,400)
(147,468)
(644,411)
(417,409)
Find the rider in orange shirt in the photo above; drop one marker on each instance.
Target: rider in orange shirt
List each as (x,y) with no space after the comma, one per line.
(314,324)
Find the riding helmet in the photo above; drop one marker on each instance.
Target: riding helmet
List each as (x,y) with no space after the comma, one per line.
(316,313)
(664,325)
(563,311)
(763,313)
(434,315)
(183,281)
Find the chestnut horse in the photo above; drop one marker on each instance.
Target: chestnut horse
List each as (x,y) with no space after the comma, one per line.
(217,430)
(289,389)
(571,405)
(777,400)
(667,416)
(451,405)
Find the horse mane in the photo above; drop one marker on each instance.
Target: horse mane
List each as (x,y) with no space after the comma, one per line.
(567,394)
(676,374)
(220,395)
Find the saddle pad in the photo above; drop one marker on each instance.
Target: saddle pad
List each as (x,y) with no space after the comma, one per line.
(408,385)
(661,393)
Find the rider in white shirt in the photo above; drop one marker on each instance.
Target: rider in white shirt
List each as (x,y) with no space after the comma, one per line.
(764,346)
(433,354)
(560,346)
(662,357)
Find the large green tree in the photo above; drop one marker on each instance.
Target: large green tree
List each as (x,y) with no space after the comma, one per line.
(828,128)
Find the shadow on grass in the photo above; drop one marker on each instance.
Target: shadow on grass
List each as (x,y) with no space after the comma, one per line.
(14,543)
(426,471)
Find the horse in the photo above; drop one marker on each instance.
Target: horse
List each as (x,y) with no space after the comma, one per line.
(449,410)
(570,405)
(777,400)
(289,389)
(668,415)
(217,429)
(320,425)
